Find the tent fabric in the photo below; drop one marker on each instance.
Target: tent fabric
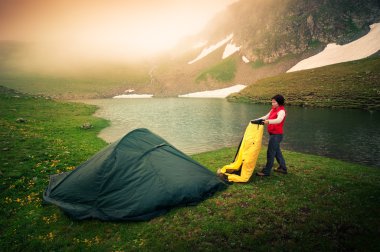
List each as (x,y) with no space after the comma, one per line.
(246,157)
(136,178)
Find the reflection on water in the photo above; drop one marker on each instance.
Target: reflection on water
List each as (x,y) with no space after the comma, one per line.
(198,125)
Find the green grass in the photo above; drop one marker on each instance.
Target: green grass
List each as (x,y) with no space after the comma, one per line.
(321,205)
(257,64)
(223,72)
(347,85)
(314,43)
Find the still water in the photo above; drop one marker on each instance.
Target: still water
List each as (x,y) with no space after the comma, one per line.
(198,125)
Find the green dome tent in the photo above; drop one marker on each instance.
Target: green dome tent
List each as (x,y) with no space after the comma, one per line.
(136,178)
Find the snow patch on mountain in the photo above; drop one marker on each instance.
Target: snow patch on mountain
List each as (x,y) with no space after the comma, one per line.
(245,59)
(230,49)
(123,96)
(333,53)
(210,49)
(218,93)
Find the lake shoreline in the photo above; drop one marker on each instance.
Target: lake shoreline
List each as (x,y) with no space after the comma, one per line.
(214,128)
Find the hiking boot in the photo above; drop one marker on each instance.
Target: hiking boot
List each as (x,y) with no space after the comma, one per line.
(281,170)
(261,174)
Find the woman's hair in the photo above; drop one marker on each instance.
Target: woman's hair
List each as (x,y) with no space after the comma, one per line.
(279,99)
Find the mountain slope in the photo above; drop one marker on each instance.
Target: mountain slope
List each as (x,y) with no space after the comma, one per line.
(268,30)
(272,36)
(352,84)
(333,53)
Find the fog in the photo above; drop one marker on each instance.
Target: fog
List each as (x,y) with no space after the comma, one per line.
(65,33)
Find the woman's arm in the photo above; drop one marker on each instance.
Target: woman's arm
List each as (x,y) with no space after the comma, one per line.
(263,117)
(280,117)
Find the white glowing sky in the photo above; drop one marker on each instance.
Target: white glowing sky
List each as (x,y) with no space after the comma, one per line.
(106,26)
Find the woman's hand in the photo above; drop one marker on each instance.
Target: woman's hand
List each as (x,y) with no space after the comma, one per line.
(266,122)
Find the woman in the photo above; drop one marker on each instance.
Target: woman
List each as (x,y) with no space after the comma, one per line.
(275,121)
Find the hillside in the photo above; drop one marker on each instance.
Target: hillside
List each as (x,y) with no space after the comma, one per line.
(76,80)
(267,30)
(270,39)
(177,77)
(273,37)
(352,84)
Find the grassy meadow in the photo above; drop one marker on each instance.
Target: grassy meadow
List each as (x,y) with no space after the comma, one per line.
(322,204)
(223,71)
(354,84)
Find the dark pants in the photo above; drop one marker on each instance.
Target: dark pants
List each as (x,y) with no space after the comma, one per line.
(274,151)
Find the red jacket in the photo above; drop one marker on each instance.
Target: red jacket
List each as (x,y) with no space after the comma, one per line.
(276,128)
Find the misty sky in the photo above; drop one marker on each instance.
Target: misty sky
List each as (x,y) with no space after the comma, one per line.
(146,26)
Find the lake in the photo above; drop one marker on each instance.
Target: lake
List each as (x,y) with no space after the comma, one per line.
(198,125)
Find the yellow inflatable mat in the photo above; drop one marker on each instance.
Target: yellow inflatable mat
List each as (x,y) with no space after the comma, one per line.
(246,157)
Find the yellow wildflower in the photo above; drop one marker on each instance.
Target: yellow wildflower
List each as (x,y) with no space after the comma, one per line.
(51,235)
